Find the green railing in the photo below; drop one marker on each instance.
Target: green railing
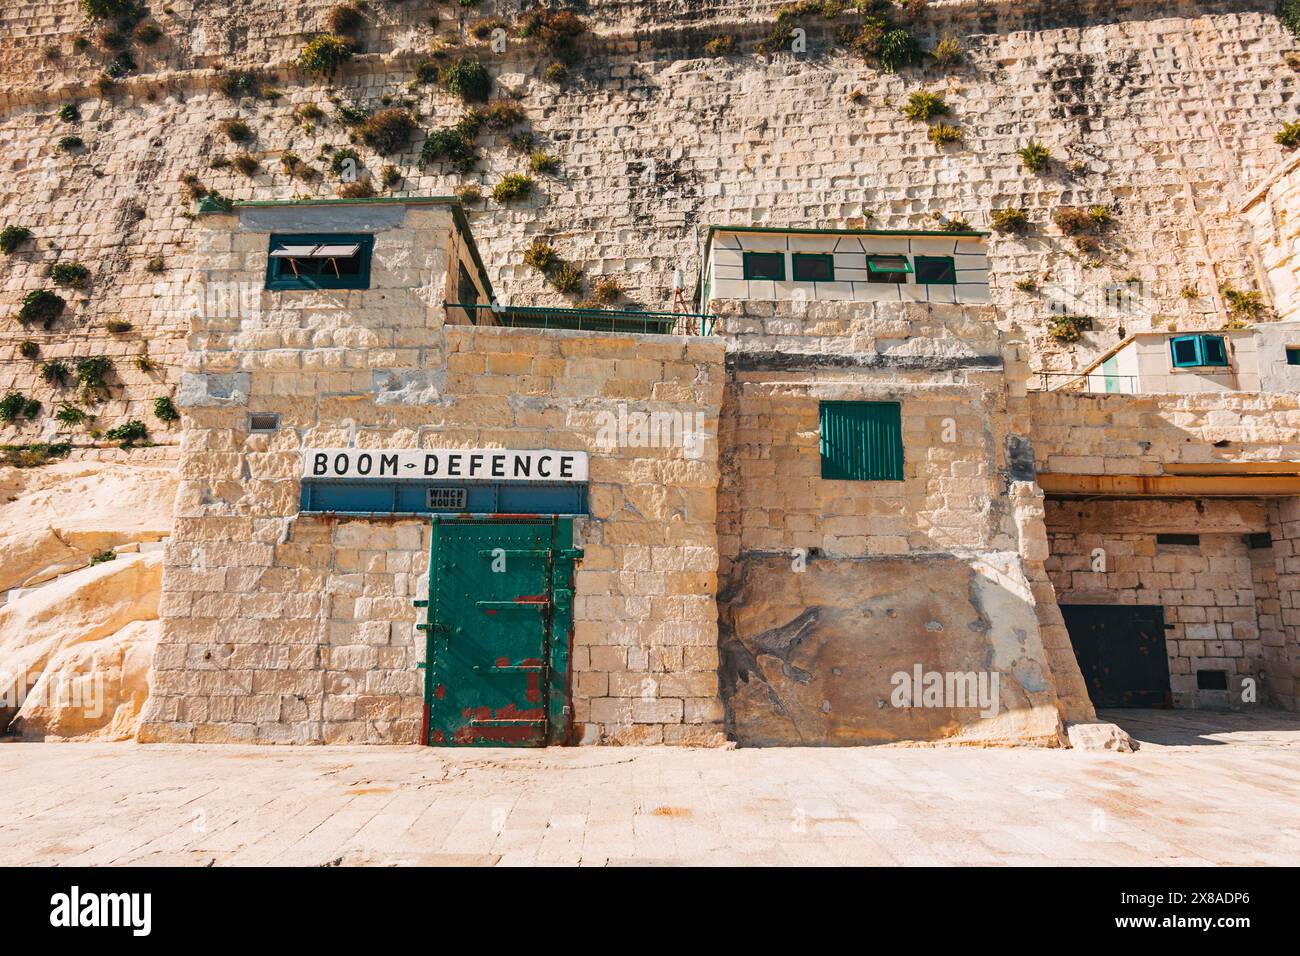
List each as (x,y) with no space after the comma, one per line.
(587,320)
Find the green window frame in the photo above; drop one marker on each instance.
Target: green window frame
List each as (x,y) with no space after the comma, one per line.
(861,441)
(315,268)
(813,267)
(936,270)
(888,268)
(765,265)
(1198,351)
(1293,355)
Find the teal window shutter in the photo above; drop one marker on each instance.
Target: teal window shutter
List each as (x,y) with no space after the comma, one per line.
(862,441)
(1191,351)
(319,261)
(1185,351)
(1213,350)
(1293,355)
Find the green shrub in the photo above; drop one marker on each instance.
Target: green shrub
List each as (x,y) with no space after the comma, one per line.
(69,113)
(41,305)
(511,187)
(237,84)
(567,278)
(543,163)
(1068,329)
(470,192)
(555,31)
(500,115)
(70,415)
(898,48)
(1289,136)
(453,146)
(72,274)
(309,113)
(1027,285)
(117,326)
(35,454)
(541,255)
(164,409)
(1010,219)
(361,189)
(941,134)
(323,55)
(11,237)
(390,176)
(246,164)
(54,373)
(92,372)
(556,73)
(344,18)
(955,224)
(128,433)
(388,131)
(121,65)
(107,9)
(924,105)
(236,130)
(606,291)
(1035,156)
(1289,11)
(947,52)
(102,557)
(15,405)
(28,349)
(67,144)
(468,79)
(148,33)
(351,114)
(339,161)
(720,46)
(155,264)
(1243,305)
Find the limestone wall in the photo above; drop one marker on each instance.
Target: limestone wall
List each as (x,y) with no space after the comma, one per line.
(1137,434)
(1106,552)
(1167,116)
(1272,213)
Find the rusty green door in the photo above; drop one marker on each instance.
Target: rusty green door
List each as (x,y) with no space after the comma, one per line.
(498,630)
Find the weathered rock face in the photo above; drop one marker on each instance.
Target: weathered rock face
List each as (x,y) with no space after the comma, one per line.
(74,655)
(54,518)
(811,657)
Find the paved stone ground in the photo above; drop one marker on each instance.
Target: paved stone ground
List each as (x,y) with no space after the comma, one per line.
(1203,789)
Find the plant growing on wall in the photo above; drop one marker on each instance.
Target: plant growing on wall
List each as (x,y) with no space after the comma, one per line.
(54,373)
(35,454)
(11,237)
(388,131)
(28,349)
(246,164)
(1010,220)
(720,46)
(69,113)
(71,415)
(1289,136)
(71,274)
(164,409)
(41,305)
(1068,329)
(941,134)
(567,278)
(605,292)
(1034,156)
(148,33)
(511,187)
(15,405)
(555,31)
(541,255)
(128,433)
(543,163)
(454,146)
(947,52)
(68,144)
(323,55)
(1243,306)
(345,160)
(344,18)
(107,9)
(117,326)
(361,189)
(468,79)
(236,130)
(92,373)
(924,105)
(1289,12)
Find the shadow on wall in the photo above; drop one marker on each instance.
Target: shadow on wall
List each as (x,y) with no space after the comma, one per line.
(830,655)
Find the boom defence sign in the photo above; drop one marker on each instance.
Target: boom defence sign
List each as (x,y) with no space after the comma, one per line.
(443,464)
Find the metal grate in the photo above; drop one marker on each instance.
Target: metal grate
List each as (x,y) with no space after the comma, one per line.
(452,499)
(263,422)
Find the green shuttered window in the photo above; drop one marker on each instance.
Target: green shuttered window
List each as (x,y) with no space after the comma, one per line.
(862,441)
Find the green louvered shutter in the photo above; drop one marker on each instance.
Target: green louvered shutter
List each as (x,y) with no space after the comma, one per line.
(862,441)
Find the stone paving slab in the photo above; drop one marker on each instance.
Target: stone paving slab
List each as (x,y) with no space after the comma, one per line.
(1209,791)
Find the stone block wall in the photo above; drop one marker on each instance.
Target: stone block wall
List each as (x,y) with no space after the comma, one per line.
(1218,596)
(1271,212)
(655,137)
(1284,527)
(288,627)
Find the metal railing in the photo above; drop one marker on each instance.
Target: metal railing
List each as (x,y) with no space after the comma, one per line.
(586,320)
(1096,382)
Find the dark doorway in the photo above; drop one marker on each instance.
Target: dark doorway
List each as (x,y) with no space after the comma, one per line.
(1121,652)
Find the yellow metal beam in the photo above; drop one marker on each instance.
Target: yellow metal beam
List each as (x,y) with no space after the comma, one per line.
(1163,486)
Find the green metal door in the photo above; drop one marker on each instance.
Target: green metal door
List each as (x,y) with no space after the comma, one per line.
(498,630)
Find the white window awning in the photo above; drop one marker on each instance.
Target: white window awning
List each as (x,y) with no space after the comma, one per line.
(294,252)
